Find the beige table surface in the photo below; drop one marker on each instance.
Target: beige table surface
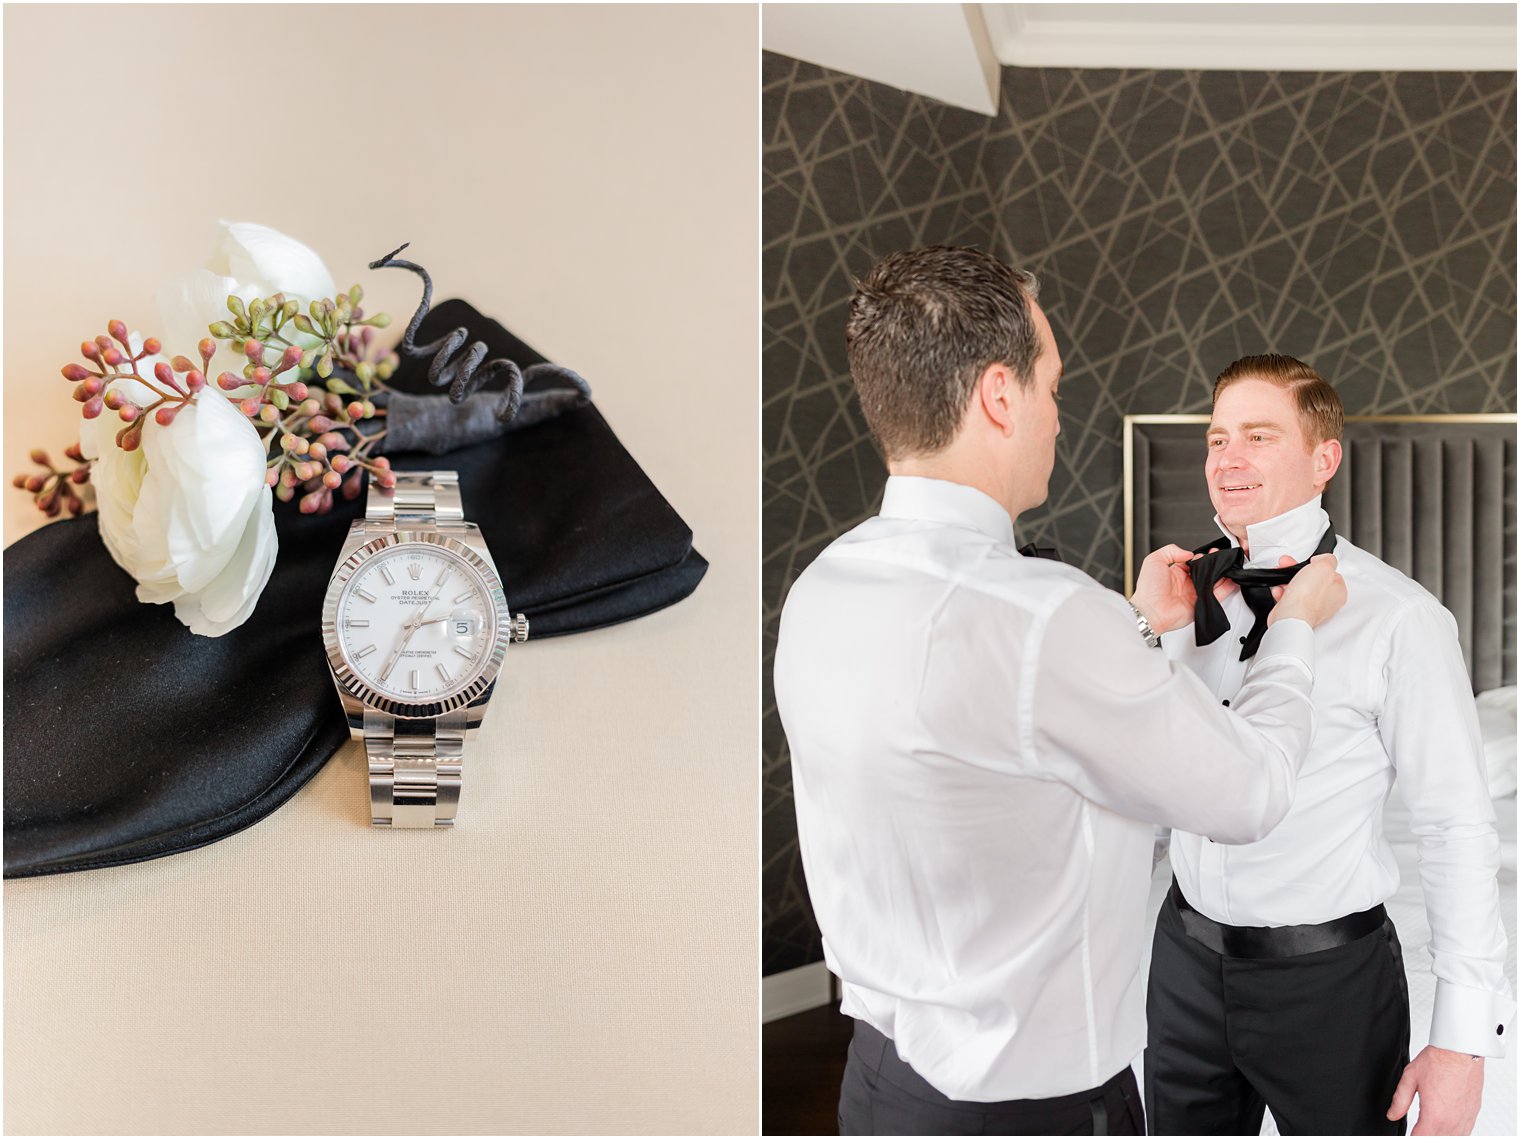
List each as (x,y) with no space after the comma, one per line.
(580,953)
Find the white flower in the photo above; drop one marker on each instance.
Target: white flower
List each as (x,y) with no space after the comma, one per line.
(188,514)
(252,261)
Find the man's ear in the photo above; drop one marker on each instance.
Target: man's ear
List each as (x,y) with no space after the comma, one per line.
(1327,460)
(995,392)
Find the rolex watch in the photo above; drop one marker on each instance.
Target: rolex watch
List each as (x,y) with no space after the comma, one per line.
(416,624)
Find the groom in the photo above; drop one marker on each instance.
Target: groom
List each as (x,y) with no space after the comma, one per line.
(1276,978)
(980,739)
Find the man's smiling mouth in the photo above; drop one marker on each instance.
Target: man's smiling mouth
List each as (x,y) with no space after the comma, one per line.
(1242,487)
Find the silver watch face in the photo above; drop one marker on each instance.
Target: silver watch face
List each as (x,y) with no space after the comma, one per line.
(415,624)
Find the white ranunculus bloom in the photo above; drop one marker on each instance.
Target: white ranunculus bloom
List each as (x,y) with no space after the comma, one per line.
(252,261)
(188,514)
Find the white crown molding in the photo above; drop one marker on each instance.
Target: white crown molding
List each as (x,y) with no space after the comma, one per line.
(1256,37)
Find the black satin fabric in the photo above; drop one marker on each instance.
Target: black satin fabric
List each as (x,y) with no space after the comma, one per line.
(1261,943)
(129,738)
(1221,559)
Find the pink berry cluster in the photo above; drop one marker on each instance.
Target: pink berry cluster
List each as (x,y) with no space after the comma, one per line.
(311,427)
(318,449)
(111,358)
(54,491)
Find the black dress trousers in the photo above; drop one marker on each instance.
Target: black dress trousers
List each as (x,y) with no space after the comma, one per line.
(882,1095)
(1320,1038)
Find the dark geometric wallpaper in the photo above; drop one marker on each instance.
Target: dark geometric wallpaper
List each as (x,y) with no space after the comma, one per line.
(1364,222)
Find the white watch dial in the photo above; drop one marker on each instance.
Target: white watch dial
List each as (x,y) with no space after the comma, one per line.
(416,622)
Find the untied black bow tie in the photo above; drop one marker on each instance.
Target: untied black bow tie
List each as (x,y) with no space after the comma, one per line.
(1220,559)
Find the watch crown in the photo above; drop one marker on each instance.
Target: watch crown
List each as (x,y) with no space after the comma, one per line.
(519,629)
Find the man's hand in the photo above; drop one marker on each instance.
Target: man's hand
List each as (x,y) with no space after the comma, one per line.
(1315,594)
(1164,591)
(1450,1087)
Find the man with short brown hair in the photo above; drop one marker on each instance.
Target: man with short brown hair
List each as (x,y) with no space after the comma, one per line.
(977,735)
(1276,976)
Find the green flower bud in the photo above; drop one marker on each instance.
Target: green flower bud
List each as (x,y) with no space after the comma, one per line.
(365,371)
(304,324)
(379,320)
(235,307)
(222,330)
(278,397)
(325,364)
(355,294)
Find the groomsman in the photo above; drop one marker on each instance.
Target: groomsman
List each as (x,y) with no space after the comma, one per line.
(1276,977)
(980,740)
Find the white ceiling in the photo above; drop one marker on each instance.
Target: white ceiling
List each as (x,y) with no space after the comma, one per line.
(940,50)
(952,52)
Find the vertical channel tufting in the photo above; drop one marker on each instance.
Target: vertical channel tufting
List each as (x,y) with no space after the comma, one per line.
(1426,498)
(1398,505)
(1508,576)
(1140,482)
(1456,544)
(1490,587)
(1367,494)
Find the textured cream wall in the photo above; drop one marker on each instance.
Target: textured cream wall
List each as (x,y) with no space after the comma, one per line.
(579,955)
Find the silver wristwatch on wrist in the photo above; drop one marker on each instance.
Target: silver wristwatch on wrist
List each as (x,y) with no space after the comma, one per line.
(415,623)
(1150,636)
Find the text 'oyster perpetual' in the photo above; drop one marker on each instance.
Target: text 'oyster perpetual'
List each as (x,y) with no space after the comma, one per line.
(416,624)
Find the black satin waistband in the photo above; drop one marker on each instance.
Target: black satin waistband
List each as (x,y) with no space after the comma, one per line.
(1274,941)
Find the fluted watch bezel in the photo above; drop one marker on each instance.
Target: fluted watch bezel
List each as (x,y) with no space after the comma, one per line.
(350,682)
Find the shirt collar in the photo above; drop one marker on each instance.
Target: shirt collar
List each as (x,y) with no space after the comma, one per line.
(1294,532)
(955,504)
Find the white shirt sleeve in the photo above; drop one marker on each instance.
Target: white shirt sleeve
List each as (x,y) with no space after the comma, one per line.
(1144,737)
(1429,727)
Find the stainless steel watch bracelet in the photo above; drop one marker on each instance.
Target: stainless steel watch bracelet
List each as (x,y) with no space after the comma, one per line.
(415,766)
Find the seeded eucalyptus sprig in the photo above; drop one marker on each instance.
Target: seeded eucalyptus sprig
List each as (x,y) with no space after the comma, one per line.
(53,491)
(316,439)
(344,335)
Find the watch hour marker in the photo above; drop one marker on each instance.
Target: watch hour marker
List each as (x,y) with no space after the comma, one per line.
(385,572)
(444,576)
(355,623)
(465,596)
(415,569)
(414,680)
(366,596)
(443,671)
(464,652)
(364,652)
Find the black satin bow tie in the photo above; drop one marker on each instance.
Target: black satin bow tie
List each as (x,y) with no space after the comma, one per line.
(1030,550)
(1220,559)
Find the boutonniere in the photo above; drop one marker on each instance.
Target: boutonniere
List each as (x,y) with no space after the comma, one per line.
(282,395)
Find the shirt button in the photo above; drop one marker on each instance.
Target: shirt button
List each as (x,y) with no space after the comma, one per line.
(1226,703)
(1500,1030)
(1242,640)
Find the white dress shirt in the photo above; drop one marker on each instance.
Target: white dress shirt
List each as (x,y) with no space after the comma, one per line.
(980,743)
(1391,695)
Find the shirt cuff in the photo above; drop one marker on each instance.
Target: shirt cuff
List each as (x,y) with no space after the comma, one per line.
(1469,1020)
(1290,637)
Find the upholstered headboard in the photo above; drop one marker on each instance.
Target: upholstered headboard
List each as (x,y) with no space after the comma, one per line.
(1433,496)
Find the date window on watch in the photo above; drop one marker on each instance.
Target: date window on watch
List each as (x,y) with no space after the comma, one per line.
(464,624)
